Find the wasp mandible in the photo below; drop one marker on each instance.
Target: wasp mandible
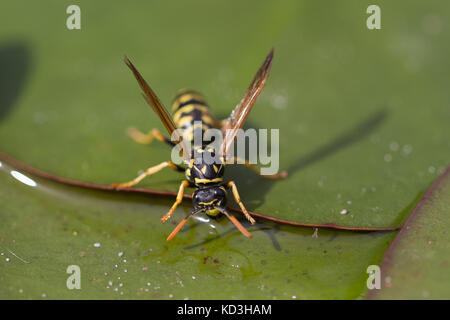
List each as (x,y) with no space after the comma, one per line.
(191,113)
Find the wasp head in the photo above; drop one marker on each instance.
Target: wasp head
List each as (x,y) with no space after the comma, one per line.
(209,199)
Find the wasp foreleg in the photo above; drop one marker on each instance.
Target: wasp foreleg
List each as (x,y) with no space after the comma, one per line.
(233,187)
(180,194)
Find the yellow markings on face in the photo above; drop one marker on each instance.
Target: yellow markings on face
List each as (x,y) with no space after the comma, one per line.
(204,169)
(213,212)
(215,168)
(188,172)
(191,163)
(200,150)
(188,108)
(197,180)
(208,203)
(210,150)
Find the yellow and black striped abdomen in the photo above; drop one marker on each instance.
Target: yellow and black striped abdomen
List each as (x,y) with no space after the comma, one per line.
(191,113)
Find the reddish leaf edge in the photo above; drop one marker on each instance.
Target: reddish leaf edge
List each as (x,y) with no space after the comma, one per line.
(387,255)
(45,175)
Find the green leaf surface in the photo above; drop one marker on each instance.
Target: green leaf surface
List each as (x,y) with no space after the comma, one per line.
(363,115)
(417,262)
(119,245)
(363,118)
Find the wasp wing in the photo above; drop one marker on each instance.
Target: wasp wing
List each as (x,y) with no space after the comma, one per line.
(157,106)
(240,113)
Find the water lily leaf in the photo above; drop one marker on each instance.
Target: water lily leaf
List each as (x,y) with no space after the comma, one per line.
(24,168)
(362,114)
(119,245)
(416,264)
(363,129)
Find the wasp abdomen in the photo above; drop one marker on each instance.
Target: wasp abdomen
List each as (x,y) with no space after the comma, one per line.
(191,113)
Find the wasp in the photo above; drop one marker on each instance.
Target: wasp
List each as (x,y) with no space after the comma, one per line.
(192,115)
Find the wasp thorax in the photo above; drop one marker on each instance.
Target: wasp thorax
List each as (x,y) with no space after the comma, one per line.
(205,168)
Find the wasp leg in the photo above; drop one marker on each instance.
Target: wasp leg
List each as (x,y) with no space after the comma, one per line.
(235,222)
(233,187)
(180,194)
(236,160)
(182,223)
(147,173)
(143,138)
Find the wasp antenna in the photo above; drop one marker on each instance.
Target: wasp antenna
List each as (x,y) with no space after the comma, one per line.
(235,222)
(182,223)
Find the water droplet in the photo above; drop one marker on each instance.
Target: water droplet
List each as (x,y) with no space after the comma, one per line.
(407,149)
(393,146)
(279,101)
(387,157)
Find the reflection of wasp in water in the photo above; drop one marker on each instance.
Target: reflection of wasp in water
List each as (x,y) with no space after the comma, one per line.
(191,114)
